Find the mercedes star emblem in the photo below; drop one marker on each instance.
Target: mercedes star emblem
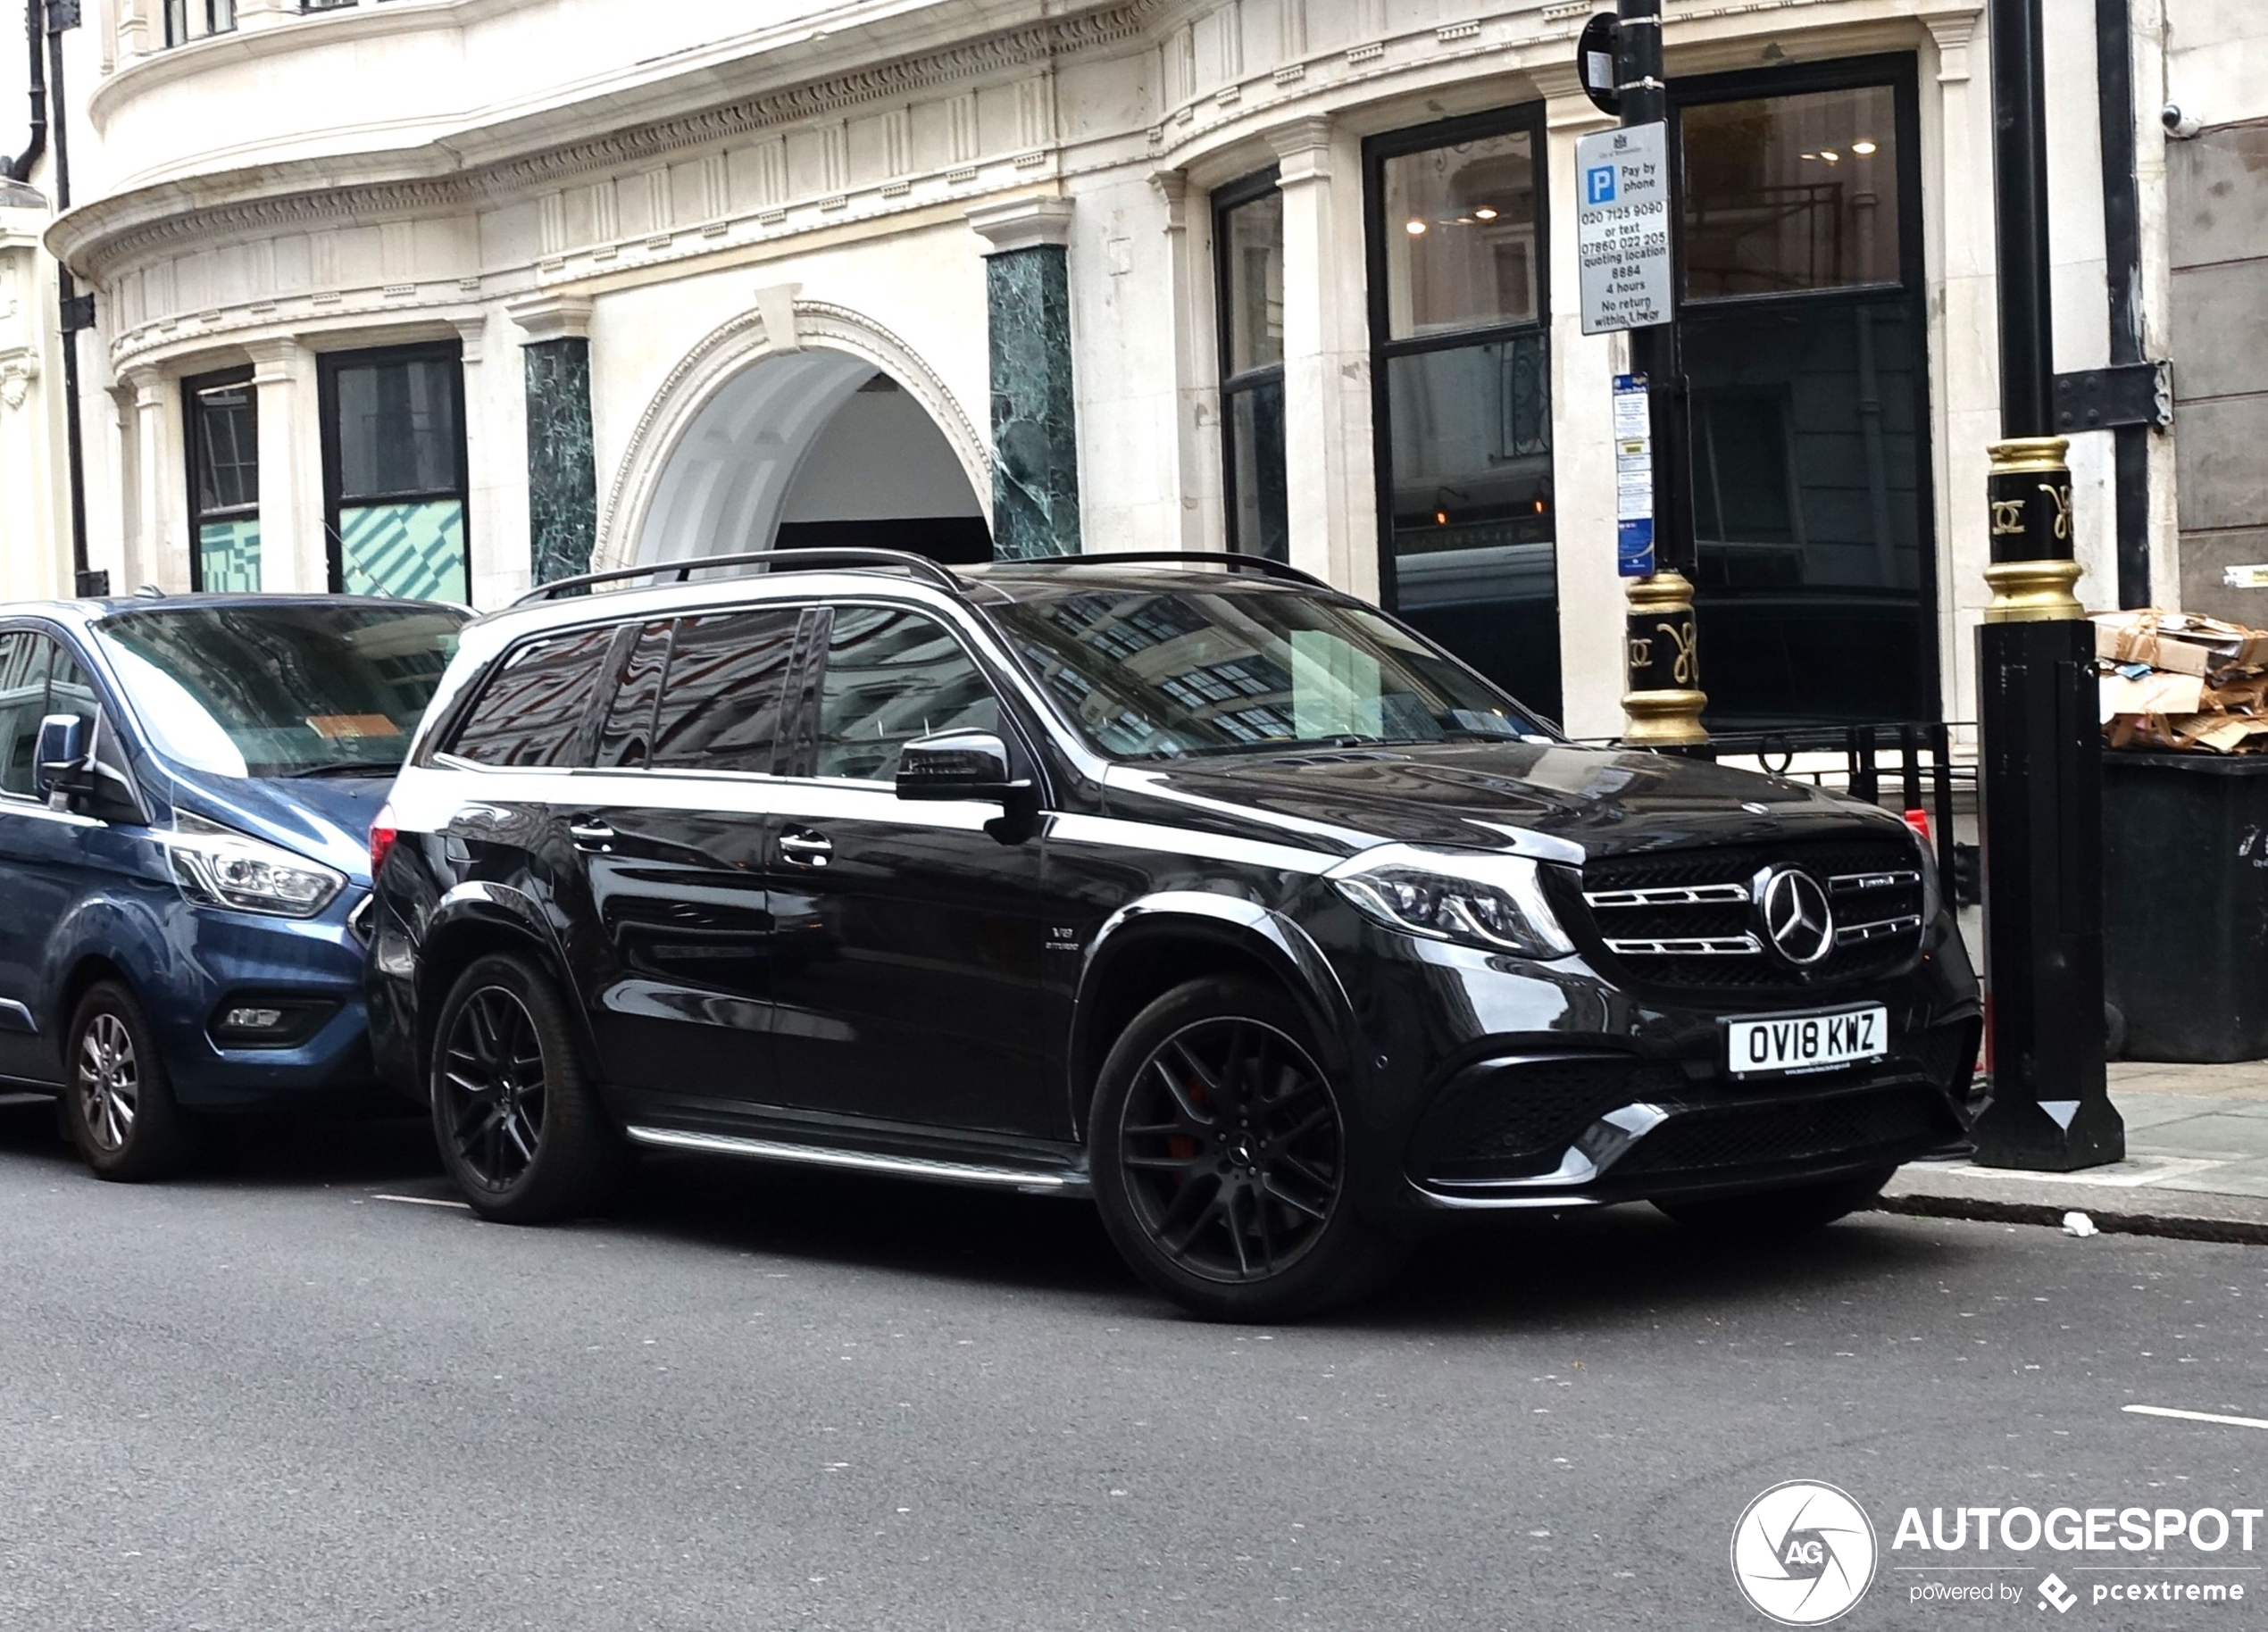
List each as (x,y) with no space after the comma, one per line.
(1796,916)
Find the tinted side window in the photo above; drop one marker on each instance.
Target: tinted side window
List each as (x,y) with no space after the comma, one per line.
(891,677)
(24,658)
(626,739)
(531,710)
(720,703)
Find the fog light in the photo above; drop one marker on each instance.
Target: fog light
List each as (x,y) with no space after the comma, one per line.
(270,1022)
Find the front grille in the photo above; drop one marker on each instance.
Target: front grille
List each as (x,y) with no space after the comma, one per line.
(1895,1119)
(1515,1119)
(1687,919)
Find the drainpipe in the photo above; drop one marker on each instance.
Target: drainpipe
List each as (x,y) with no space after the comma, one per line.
(78,310)
(2122,258)
(19,168)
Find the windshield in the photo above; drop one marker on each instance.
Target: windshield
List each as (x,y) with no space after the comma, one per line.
(1161,673)
(276,689)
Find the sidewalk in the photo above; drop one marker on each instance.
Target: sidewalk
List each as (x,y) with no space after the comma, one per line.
(2197,1163)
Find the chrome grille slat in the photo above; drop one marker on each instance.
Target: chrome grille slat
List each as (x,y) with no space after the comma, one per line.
(1705,946)
(1673,895)
(1857,934)
(1851,883)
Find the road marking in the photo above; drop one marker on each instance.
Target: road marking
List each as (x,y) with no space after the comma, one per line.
(2194,1416)
(423,1201)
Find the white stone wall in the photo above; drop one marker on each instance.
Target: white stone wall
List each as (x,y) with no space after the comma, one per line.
(676,166)
(34,522)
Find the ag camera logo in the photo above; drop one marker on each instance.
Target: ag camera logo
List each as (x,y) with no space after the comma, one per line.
(1803,1554)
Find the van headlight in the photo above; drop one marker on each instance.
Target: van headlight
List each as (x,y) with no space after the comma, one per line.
(1472,897)
(220,867)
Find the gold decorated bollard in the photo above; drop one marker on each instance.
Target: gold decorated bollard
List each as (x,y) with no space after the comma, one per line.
(2032,574)
(1663,707)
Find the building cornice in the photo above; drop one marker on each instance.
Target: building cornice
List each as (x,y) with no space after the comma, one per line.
(302,193)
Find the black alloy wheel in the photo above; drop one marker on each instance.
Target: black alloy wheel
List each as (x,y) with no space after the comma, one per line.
(1234,1153)
(491,1087)
(519,1123)
(118,1104)
(1222,1161)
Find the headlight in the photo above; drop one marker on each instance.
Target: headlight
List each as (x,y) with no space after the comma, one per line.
(220,867)
(1475,898)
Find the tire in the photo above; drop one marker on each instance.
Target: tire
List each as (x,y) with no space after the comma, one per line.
(1222,1163)
(519,1123)
(1791,1209)
(118,1104)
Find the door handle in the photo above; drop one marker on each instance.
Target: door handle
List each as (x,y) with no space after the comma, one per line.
(806,848)
(589,833)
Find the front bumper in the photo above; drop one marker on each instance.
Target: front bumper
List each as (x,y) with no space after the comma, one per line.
(227,959)
(1506,1084)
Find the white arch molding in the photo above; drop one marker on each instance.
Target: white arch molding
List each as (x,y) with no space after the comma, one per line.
(715,454)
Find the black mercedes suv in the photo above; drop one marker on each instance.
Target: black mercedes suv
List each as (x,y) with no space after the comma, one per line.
(1184,882)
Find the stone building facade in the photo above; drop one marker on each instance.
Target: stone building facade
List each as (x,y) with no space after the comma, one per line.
(442,296)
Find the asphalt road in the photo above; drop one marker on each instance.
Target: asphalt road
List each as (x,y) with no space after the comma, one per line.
(268,1397)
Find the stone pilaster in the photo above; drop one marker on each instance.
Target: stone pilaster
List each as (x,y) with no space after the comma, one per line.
(1035,437)
(562,462)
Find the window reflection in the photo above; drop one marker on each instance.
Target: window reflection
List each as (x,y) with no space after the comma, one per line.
(1249,239)
(1460,237)
(1790,193)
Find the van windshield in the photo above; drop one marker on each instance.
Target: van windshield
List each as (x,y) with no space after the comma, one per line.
(1161,673)
(280,689)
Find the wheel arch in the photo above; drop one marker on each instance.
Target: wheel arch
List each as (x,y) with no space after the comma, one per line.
(471,922)
(1150,947)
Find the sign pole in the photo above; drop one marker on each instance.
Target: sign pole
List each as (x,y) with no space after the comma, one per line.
(2040,776)
(1628,273)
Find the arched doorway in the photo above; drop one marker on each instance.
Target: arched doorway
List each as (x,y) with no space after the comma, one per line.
(804,447)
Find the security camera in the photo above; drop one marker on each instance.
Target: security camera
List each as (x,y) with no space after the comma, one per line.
(2178,125)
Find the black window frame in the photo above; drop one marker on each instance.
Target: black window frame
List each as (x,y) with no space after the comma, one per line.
(1243,190)
(1900,71)
(193,390)
(329,366)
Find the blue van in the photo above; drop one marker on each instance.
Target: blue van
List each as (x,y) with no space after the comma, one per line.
(186,785)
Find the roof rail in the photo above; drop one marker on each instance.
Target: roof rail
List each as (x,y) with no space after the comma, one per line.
(1226,560)
(920,566)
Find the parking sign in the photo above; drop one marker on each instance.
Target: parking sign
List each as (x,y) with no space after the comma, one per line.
(1623,228)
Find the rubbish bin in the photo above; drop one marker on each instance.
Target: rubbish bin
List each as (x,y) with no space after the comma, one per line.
(2185,904)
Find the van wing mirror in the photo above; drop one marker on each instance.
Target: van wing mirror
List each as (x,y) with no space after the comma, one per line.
(62,757)
(957,765)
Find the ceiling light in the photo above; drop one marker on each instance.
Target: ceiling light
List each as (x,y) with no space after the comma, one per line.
(1861,148)
(1485,213)
(1811,156)
(1416,229)
(1440,518)
(1831,155)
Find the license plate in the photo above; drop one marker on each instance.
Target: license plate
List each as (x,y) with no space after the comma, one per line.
(1791,1045)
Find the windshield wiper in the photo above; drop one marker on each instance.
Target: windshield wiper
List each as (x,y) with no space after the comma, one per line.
(347,768)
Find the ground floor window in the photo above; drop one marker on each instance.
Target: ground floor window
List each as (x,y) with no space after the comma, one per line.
(394,472)
(1461,386)
(223,413)
(1806,346)
(1249,268)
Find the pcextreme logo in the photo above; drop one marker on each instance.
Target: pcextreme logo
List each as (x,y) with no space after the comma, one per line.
(1803,1553)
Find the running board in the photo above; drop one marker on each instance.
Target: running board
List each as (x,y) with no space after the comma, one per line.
(1031,1180)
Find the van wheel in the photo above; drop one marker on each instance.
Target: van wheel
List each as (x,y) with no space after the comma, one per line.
(118,1104)
(519,1123)
(1788,1210)
(1223,1163)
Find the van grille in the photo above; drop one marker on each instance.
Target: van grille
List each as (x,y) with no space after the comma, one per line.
(1687,918)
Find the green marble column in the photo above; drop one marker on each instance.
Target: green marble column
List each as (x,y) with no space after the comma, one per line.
(1035,443)
(562,466)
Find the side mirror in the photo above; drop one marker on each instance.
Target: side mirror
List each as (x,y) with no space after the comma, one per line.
(61,758)
(957,765)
